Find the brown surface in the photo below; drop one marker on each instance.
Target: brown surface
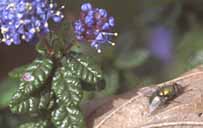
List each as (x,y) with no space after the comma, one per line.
(131,109)
(14,56)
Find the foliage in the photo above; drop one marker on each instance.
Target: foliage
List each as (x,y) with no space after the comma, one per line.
(39,124)
(54,86)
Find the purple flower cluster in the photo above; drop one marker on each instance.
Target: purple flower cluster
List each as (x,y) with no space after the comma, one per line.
(94,26)
(23,19)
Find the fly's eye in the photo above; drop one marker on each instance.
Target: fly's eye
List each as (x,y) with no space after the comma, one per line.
(166,92)
(161,93)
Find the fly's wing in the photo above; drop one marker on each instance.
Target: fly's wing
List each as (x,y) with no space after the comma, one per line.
(147,91)
(154,104)
(154,101)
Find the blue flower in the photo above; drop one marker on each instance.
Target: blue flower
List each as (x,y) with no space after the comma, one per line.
(23,19)
(94,26)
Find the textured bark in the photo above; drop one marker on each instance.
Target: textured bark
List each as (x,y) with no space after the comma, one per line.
(131,110)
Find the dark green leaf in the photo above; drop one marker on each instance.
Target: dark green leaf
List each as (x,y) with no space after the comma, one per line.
(44,101)
(132,59)
(187,50)
(84,68)
(68,117)
(39,124)
(195,60)
(191,42)
(112,83)
(100,85)
(66,87)
(133,81)
(32,79)
(41,49)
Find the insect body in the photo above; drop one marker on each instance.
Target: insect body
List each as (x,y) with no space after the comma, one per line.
(163,95)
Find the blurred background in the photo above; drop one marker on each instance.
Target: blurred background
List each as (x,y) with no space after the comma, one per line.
(158,40)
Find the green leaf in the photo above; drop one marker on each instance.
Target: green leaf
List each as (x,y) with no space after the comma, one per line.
(132,59)
(187,49)
(17,72)
(112,83)
(39,124)
(7,89)
(44,101)
(132,80)
(191,42)
(33,78)
(196,59)
(68,91)
(68,117)
(66,87)
(41,49)
(84,68)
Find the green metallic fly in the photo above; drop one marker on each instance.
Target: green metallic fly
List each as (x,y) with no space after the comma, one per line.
(163,95)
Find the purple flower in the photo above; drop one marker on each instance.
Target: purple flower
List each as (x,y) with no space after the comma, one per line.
(160,43)
(94,26)
(23,19)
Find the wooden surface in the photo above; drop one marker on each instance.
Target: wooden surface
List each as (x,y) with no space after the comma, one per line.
(131,110)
